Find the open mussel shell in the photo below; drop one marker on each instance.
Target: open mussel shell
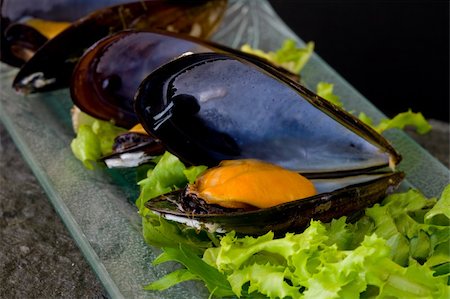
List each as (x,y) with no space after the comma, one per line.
(52,65)
(210,107)
(340,200)
(107,76)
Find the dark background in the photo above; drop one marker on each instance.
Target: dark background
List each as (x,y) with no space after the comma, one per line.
(395,53)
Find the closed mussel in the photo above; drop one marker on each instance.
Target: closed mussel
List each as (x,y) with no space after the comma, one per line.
(211,107)
(52,65)
(107,76)
(27,25)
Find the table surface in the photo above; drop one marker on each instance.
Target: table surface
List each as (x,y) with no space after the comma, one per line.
(39,259)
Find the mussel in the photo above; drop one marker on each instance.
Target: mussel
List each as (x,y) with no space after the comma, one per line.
(132,149)
(210,107)
(19,43)
(107,76)
(335,198)
(20,38)
(52,65)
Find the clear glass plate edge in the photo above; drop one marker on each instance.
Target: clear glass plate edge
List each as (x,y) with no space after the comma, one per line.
(61,209)
(117,284)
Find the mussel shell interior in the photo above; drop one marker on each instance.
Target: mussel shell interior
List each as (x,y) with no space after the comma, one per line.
(293,216)
(211,107)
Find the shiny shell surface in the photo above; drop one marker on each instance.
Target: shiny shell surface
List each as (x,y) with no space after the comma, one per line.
(19,41)
(211,107)
(51,67)
(107,76)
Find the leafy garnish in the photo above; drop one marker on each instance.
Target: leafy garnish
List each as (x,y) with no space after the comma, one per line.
(214,280)
(399,249)
(160,232)
(93,141)
(325,90)
(400,121)
(289,56)
(169,174)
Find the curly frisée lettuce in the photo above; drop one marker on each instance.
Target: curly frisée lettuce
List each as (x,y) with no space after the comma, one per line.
(399,249)
(94,139)
(289,56)
(169,174)
(325,90)
(400,121)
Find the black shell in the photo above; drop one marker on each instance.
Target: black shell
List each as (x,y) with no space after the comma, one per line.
(51,67)
(108,75)
(144,146)
(19,41)
(293,216)
(210,107)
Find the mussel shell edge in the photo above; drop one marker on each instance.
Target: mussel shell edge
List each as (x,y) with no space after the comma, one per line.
(289,217)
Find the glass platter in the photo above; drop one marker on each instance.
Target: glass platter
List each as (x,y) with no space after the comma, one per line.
(95,205)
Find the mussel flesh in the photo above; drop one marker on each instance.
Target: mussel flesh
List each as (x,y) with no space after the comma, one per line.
(211,107)
(246,184)
(52,65)
(107,76)
(335,197)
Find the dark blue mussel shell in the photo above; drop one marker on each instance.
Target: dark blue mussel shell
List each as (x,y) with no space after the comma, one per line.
(107,76)
(210,107)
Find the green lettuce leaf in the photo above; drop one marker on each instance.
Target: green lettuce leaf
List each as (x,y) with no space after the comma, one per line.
(289,56)
(265,279)
(311,268)
(162,233)
(440,213)
(400,121)
(215,281)
(171,279)
(193,172)
(415,281)
(168,174)
(86,147)
(94,140)
(399,249)
(404,221)
(325,90)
